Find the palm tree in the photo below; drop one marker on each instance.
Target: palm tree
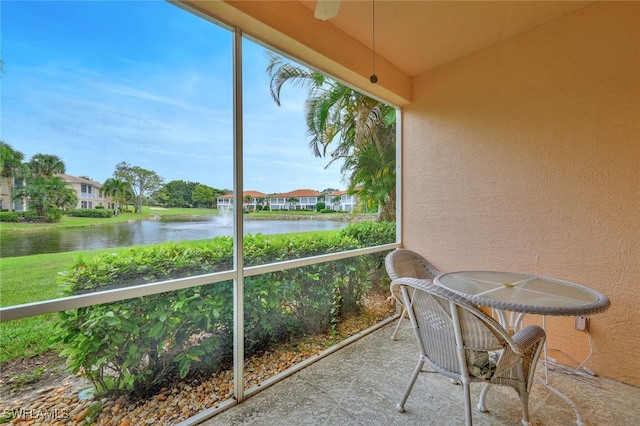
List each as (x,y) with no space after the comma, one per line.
(11,166)
(120,190)
(337,112)
(292,201)
(372,175)
(47,196)
(261,202)
(247,202)
(46,165)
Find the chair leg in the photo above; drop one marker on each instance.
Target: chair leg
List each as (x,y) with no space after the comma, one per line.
(524,398)
(395,331)
(468,420)
(412,381)
(483,395)
(404,311)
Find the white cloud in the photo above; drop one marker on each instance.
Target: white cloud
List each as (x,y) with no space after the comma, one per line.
(95,104)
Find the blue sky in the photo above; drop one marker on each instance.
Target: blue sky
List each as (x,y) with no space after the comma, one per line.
(100,82)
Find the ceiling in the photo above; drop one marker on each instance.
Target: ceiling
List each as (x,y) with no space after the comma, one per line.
(420,35)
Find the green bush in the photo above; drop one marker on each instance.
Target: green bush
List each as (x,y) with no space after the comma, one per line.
(369,234)
(31,216)
(327,211)
(9,217)
(135,345)
(97,213)
(53,215)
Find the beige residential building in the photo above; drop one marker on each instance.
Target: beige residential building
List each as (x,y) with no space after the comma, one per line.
(6,203)
(89,193)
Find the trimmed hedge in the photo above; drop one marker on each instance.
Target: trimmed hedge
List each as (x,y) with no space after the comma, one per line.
(97,213)
(135,345)
(371,233)
(51,215)
(9,217)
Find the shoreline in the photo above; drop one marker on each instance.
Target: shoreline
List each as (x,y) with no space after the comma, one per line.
(341,217)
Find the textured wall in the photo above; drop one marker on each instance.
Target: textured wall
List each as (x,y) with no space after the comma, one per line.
(525,156)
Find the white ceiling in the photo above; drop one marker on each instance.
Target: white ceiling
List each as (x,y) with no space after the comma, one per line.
(418,35)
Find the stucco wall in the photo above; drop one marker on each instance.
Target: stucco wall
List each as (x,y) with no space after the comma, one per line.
(526,156)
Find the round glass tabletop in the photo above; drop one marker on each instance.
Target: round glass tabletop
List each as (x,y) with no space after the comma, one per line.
(524,293)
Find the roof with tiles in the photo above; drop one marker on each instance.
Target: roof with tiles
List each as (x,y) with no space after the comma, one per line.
(299,193)
(252,194)
(76,179)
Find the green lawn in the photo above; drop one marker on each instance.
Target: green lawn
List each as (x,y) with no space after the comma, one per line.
(28,279)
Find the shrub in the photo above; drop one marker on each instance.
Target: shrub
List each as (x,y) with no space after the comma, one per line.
(53,215)
(9,217)
(371,233)
(31,216)
(96,213)
(320,206)
(135,345)
(327,211)
(99,207)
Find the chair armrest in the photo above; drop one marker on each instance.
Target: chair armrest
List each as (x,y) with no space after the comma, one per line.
(524,345)
(528,337)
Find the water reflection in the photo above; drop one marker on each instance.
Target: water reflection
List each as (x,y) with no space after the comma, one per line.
(144,233)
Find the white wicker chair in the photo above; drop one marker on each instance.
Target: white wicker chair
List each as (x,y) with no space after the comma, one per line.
(458,340)
(406,263)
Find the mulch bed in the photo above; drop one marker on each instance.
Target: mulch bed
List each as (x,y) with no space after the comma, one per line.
(37,390)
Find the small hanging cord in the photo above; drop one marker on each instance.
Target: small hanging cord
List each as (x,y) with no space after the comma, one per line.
(374,77)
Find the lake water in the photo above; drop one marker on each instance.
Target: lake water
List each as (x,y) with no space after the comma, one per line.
(145,232)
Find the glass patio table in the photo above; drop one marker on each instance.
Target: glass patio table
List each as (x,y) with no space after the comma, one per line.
(522,294)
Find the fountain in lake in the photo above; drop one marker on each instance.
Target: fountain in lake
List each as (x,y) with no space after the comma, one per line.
(224,218)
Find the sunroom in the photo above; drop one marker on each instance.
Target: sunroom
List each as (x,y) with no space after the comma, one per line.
(517,151)
(518,135)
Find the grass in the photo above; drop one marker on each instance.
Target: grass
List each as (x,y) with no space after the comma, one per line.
(74,222)
(27,337)
(30,377)
(34,278)
(29,279)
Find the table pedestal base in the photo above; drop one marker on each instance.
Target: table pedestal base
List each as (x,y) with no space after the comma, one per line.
(563,397)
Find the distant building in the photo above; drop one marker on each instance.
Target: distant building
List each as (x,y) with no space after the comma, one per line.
(299,199)
(226,201)
(6,203)
(89,192)
(341,200)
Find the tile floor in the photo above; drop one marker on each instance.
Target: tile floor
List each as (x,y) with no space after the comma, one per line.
(361,383)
